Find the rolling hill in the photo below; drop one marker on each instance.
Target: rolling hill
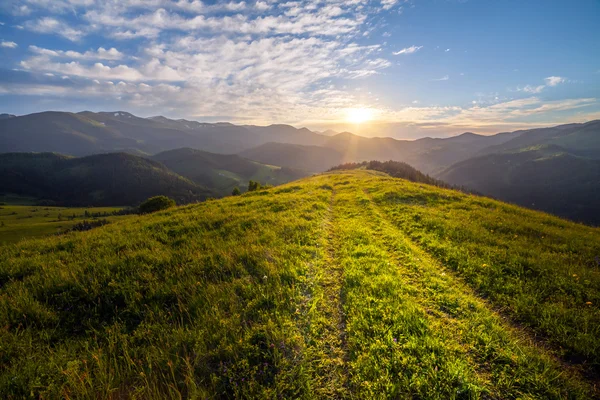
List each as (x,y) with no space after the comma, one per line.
(222,172)
(350,284)
(547,178)
(115,179)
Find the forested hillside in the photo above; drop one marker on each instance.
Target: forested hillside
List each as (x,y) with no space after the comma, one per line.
(548,178)
(223,172)
(115,179)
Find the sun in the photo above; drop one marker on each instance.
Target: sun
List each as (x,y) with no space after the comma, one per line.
(359,115)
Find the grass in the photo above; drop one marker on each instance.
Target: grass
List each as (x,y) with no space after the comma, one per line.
(19,222)
(344,285)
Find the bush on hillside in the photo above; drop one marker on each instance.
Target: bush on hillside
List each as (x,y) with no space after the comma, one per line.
(254,186)
(236,191)
(156,203)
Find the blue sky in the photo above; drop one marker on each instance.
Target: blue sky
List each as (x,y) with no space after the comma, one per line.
(412,68)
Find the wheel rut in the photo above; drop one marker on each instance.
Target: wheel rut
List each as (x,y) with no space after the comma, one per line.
(523,334)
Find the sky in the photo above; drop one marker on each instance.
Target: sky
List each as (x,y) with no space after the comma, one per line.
(405,69)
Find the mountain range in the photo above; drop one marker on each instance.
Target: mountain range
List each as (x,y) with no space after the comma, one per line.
(563,159)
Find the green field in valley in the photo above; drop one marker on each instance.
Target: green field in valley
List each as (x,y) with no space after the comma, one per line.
(19,222)
(343,285)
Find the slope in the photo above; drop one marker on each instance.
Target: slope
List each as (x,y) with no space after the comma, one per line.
(115,179)
(575,137)
(345,285)
(308,158)
(222,172)
(547,178)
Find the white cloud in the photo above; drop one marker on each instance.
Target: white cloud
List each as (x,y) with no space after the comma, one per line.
(10,45)
(387,4)
(443,78)
(100,54)
(262,5)
(550,81)
(408,50)
(532,89)
(447,50)
(51,25)
(554,80)
(74,68)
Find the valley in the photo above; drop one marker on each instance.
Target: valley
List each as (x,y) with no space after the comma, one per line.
(19,222)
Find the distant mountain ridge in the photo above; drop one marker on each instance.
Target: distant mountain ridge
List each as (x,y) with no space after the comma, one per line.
(87,133)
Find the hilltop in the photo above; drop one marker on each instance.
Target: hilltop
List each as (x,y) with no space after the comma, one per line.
(350,284)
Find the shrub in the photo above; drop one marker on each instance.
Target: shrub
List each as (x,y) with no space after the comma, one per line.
(253,186)
(87,225)
(156,203)
(236,191)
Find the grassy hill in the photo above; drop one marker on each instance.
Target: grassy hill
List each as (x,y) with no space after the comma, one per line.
(116,179)
(547,178)
(346,285)
(223,172)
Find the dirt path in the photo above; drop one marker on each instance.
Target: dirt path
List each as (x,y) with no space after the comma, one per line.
(326,346)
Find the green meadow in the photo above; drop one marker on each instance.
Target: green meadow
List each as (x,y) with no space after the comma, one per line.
(19,222)
(349,284)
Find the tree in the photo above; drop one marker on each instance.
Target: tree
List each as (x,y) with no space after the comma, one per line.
(236,191)
(156,203)
(253,186)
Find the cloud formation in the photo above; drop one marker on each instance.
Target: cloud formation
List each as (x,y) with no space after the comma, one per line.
(554,80)
(550,82)
(255,61)
(9,45)
(408,50)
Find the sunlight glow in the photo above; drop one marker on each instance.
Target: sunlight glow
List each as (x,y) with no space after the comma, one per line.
(359,115)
